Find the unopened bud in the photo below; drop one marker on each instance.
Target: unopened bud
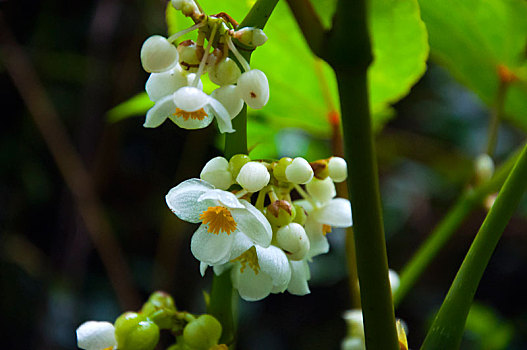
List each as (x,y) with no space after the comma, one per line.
(187,7)
(321,190)
(224,72)
(158,55)
(300,215)
(251,36)
(484,167)
(229,97)
(96,335)
(216,172)
(202,333)
(189,56)
(237,162)
(338,169)
(320,169)
(299,171)
(253,176)
(135,332)
(279,168)
(293,240)
(160,308)
(254,88)
(280,213)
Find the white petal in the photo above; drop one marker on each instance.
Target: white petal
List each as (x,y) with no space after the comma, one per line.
(299,277)
(211,248)
(253,223)
(216,172)
(228,199)
(203,268)
(321,190)
(93,335)
(183,199)
(229,97)
(162,109)
(158,54)
(190,99)
(251,286)
(222,116)
(336,213)
(241,244)
(254,88)
(163,84)
(273,262)
(305,204)
(219,269)
(318,241)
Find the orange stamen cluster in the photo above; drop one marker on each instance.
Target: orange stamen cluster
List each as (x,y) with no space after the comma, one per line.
(326,229)
(218,219)
(200,114)
(249,257)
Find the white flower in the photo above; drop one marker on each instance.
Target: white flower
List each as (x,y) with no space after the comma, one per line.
(300,274)
(94,335)
(224,218)
(253,176)
(293,240)
(163,84)
(254,88)
(216,172)
(189,108)
(158,54)
(229,97)
(338,169)
(299,171)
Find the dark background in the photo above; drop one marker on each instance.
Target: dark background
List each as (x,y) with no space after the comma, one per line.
(86,56)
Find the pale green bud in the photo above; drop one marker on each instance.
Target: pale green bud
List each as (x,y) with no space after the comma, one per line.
(237,162)
(280,213)
(338,169)
(321,190)
(158,55)
(300,214)
(299,171)
(253,176)
(293,240)
(279,168)
(484,167)
(216,172)
(135,332)
(251,36)
(202,333)
(224,72)
(189,56)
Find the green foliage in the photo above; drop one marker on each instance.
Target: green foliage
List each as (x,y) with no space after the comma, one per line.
(472,38)
(488,329)
(400,49)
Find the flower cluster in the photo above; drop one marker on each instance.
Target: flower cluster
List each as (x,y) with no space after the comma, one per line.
(141,330)
(251,226)
(175,83)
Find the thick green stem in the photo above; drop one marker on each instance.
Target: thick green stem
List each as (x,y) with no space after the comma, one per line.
(447,329)
(221,306)
(468,202)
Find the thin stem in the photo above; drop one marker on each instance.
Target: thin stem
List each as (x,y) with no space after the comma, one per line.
(175,36)
(205,57)
(243,62)
(309,23)
(466,203)
(305,195)
(496,117)
(447,329)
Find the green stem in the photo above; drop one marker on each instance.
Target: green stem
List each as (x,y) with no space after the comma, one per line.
(221,297)
(447,329)
(349,54)
(468,201)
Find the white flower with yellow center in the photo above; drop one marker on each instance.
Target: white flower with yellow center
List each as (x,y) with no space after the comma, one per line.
(94,335)
(324,211)
(224,220)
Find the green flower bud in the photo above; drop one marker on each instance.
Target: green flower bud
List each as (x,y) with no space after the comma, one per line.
(202,333)
(293,240)
(189,56)
(301,214)
(279,168)
(280,213)
(160,308)
(134,331)
(320,169)
(237,162)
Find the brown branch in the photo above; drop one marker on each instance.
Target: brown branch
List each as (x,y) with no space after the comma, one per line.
(309,23)
(70,165)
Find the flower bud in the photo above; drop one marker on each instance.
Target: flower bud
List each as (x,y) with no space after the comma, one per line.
(162,306)
(254,88)
(224,72)
(163,84)
(229,97)
(94,335)
(188,7)
(279,168)
(202,333)
(484,167)
(216,172)
(251,36)
(237,162)
(338,169)
(293,240)
(253,176)
(300,214)
(394,280)
(320,169)
(299,171)
(355,322)
(280,213)
(158,55)
(321,190)
(135,332)
(189,56)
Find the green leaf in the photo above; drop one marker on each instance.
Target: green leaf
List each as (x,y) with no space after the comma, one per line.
(472,38)
(137,105)
(490,331)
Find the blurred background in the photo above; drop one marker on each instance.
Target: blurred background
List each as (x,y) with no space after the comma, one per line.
(70,207)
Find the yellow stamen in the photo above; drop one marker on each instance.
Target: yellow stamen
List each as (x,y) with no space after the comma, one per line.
(200,114)
(401,334)
(218,219)
(108,348)
(249,257)
(326,229)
